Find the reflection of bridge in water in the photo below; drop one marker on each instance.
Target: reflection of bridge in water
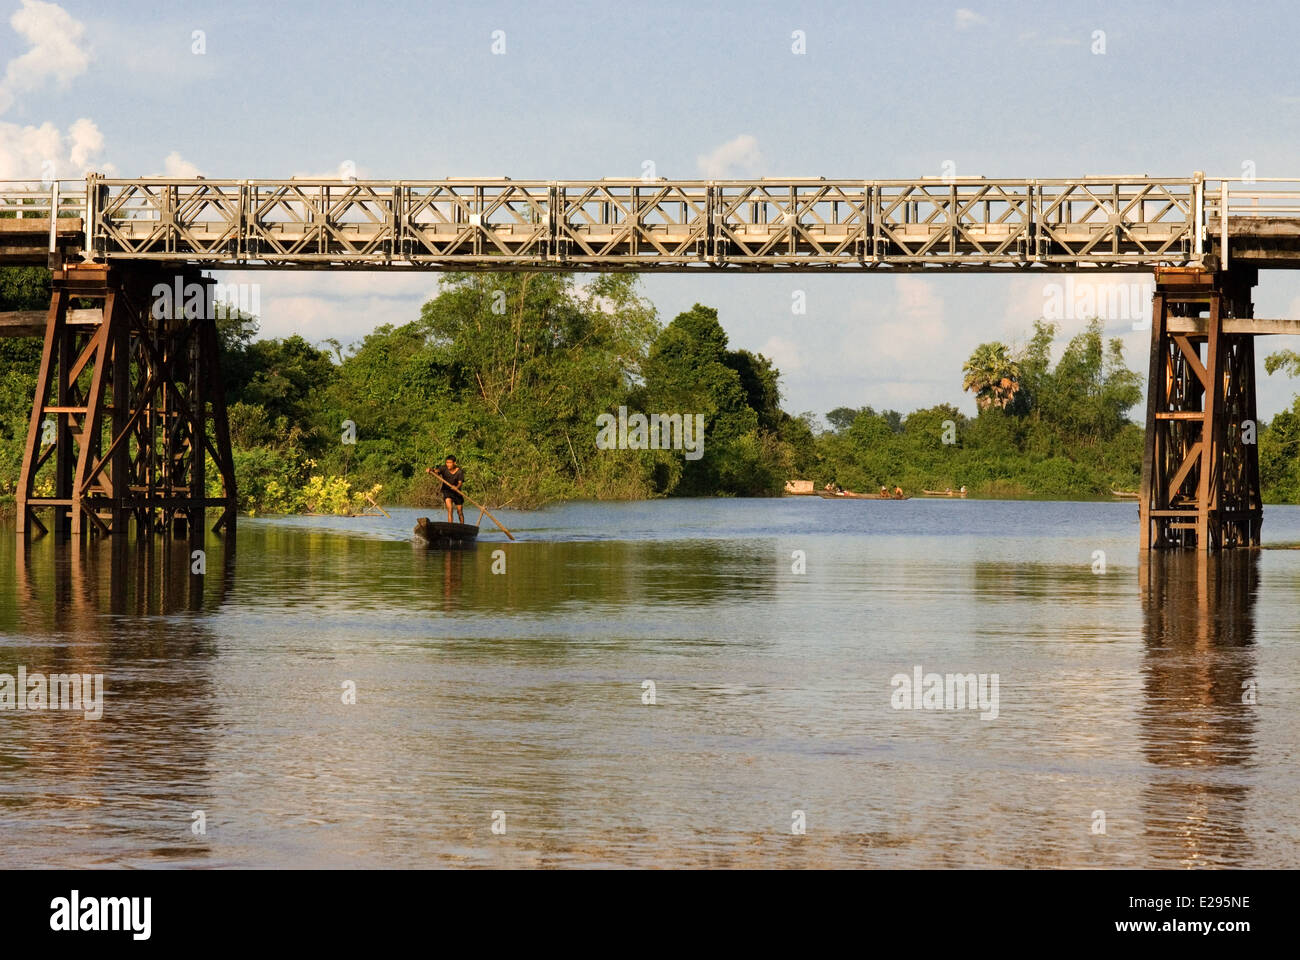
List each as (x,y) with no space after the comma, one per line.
(132,393)
(132,612)
(1198,712)
(117,577)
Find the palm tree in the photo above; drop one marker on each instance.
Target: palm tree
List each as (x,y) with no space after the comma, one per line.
(992,375)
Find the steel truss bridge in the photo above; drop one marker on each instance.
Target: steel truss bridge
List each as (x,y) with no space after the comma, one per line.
(129,406)
(1111,223)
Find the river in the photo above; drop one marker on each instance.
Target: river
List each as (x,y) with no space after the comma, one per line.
(724,683)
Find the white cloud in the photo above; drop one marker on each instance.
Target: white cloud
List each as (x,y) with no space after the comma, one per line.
(784,353)
(174,165)
(55,52)
(734,159)
(346,170)
(25,152)
(1110,295)
(893,339)
(916,298)
(55,55)
(85,143)
(964,19)
(1026,298)
(411,286)
(319,318)
(38,153)
(345,306)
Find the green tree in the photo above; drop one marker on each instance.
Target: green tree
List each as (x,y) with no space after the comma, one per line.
(530,360)
(841,418)
(21,288)
(691,371)
(1086,398)
(1041,430)
(992,375)
(1279,441)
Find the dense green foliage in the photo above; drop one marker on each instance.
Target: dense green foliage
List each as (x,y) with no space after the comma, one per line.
(21,288)
(1279,441)
(1058,431)
(690,369)
(511,371)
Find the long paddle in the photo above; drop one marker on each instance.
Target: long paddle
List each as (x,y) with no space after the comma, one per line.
(446,483)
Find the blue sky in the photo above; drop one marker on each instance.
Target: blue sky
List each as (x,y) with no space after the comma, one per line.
(595,89)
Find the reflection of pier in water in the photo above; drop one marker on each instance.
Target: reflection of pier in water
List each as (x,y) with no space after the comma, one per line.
(1196,731)
(140,576)
(134,777)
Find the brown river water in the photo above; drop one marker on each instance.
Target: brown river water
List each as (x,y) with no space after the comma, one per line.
(1136,714)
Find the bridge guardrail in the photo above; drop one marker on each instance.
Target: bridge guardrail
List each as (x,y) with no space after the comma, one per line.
(1258,197)
(1230,201)
(35,199)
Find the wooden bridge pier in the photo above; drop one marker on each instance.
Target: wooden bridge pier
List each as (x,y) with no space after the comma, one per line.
(1200,472)
(128,407)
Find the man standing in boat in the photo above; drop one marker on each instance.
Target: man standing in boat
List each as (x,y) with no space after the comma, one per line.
(451,478)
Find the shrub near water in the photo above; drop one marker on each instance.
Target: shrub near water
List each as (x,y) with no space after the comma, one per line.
(334,495)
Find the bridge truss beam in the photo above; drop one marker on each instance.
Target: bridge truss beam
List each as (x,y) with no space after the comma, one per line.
(778,224)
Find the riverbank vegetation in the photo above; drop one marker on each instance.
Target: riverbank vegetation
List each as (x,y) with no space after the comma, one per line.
(1044,430)
(510,371)
(21,288)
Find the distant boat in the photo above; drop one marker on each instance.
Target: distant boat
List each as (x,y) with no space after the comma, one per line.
(943,493)
(1126,494)
(438,535)
(848,495)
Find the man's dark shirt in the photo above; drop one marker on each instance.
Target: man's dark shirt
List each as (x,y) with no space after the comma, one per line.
(455,477)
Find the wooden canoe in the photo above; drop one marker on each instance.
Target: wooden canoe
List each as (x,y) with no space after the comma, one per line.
(858,496)
(439,535)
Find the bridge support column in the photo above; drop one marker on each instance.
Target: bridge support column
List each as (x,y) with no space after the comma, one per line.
(1200,471)
(129,403)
